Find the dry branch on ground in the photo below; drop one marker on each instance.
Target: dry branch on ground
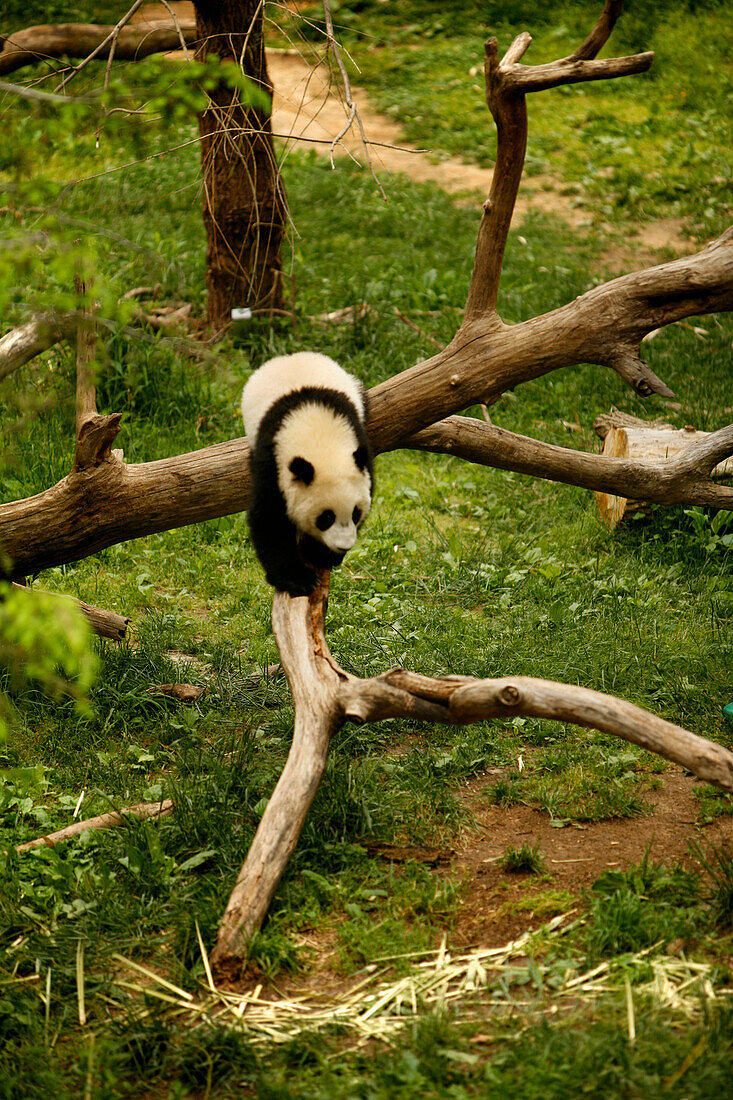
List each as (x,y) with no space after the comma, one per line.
(103,821)
(50,42)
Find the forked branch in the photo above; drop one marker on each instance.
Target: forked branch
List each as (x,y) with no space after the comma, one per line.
(325,697)
(507,84)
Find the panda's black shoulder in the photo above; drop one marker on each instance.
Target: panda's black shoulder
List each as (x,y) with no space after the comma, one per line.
(339,403)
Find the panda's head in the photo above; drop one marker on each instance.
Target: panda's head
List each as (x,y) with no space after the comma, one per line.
(324,474)
(330,501)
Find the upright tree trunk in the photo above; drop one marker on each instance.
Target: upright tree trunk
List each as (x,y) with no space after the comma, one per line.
(244,201)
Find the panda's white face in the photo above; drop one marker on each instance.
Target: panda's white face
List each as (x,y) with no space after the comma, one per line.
(347,503)
(323,477)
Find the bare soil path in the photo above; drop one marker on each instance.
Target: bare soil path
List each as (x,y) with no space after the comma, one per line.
(309,112)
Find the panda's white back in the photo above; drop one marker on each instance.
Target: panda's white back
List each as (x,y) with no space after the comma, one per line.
(287,373)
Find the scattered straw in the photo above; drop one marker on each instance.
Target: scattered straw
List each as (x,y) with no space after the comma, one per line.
(80,983)
(378,1008)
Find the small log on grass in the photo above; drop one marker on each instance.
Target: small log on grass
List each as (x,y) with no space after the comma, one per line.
(78,40)
(106,624)
(628,438)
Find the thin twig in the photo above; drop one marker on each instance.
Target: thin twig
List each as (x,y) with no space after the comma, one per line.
(411,324)
(111,37)
(334,47)
(42,97)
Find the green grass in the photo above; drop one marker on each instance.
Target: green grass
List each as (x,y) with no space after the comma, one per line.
(632,910)
(460,569)
(527,859)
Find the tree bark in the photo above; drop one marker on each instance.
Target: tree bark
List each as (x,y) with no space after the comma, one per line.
(245,208)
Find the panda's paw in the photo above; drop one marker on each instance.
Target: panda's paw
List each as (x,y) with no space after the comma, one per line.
(301,583)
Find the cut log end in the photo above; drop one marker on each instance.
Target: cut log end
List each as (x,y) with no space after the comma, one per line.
(611,509)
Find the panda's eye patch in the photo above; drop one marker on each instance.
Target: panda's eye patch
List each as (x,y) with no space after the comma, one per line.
(361,457)
(356,515)
(302,470)
(325,520)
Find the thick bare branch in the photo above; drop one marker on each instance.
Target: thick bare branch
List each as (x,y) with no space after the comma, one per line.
(679,479)
(568,703)
(80,40)
(538,78)
(314,680)
(486,357)
(510,115)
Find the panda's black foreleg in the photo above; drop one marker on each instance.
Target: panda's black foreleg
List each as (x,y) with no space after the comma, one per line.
(274,539)
(317,554)
(287,571)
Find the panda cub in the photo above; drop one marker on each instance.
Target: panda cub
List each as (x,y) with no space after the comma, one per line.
(312,470)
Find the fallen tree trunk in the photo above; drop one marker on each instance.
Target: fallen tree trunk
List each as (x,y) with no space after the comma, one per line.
(95,508)
(49,42)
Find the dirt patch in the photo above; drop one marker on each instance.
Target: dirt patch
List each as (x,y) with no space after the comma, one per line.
(309,110)
(497,907)
(575,856)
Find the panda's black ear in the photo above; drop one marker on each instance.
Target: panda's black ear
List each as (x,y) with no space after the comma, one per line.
(302,470)
(361,457)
